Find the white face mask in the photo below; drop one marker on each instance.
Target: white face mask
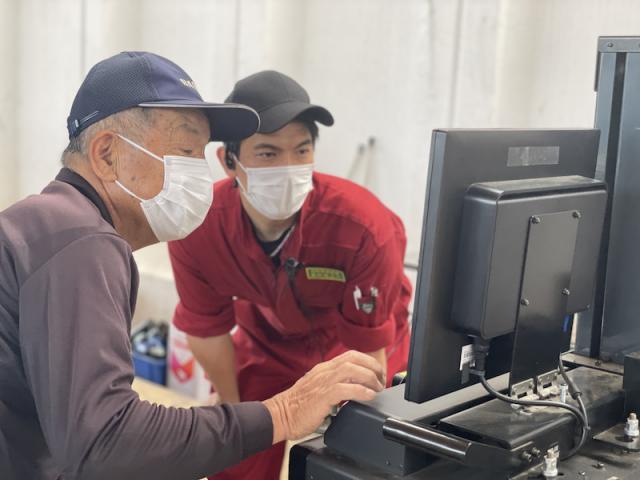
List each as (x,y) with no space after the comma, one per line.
(185,198)
(277,192)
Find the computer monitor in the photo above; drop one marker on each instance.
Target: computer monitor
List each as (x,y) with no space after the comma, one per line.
(459,160)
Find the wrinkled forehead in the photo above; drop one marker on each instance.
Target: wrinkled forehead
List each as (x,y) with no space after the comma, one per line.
(180,124)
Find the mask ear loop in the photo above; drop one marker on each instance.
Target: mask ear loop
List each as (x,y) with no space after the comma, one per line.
(142,149)
(128,191)
(239,164)
(238,182)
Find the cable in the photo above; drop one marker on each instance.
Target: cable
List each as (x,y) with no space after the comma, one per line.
(544,403)
(531,403)
(573,390)
(584,435)
(481,350)
(577,396)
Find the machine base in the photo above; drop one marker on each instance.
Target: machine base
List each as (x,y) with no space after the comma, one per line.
(359,430)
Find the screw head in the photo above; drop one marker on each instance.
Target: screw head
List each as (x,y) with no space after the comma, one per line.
(536,219)
(609,44)
(577,214)
(566,292)
(524,302)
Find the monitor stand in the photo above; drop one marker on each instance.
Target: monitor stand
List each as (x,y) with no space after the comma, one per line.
(543,301)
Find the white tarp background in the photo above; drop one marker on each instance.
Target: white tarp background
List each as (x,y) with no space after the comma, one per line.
(391,70)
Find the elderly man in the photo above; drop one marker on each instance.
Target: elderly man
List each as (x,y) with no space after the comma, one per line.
(134,175)
(306,265)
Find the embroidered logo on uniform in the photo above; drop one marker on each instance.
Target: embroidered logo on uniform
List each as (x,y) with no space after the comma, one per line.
(365,303)
(368,307)
(328,274)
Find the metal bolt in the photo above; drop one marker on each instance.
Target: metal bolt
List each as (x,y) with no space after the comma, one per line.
(564,389)
(577,214)
(566,292)
(524,302)
(535,219)
(535,452)
(526,456)
(609,44)
(582,474)
(631,428)
(551,463)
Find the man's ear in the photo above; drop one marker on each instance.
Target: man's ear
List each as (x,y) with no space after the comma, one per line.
(102,156)
(227,161)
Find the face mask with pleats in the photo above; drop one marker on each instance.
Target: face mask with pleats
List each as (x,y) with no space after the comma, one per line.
(185,198)
(277,192)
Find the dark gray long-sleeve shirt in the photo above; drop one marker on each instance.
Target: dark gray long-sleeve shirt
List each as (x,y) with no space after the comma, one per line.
(68,287)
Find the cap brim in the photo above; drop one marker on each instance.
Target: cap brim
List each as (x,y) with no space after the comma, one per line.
(274,118)
(229,121)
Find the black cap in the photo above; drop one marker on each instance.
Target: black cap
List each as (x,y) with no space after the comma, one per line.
(278,99)
(143,79)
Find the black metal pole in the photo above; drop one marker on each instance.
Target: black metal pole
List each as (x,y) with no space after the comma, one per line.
(425,439)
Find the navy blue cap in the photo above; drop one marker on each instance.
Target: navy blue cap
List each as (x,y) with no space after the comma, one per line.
(143,79)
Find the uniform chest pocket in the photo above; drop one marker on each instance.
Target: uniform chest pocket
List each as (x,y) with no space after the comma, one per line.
(320,286)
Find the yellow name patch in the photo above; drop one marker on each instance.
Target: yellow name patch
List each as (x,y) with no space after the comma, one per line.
(329,274)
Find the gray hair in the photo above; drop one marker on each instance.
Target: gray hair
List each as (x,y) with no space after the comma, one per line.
(132,123)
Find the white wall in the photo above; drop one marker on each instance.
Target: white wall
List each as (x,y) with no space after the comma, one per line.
(388,69)
(8,103)
(546,69)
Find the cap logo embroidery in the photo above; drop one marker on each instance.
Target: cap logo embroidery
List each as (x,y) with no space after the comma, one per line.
(188,83)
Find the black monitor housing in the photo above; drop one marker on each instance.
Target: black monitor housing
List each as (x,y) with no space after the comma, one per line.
(510,242)
(527,258)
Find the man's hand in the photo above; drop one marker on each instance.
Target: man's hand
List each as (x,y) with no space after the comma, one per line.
(381,357)
(299,411)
